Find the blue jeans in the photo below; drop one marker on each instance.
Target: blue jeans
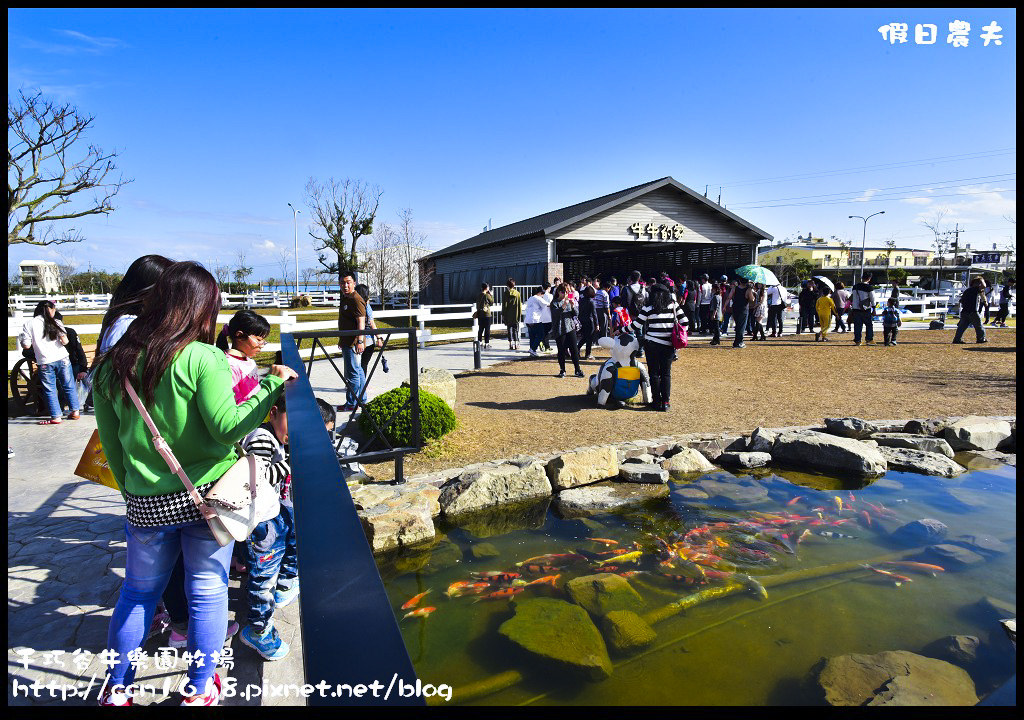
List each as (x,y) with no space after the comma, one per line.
(152,553)
(862,319)
(58,372)
(740,320)
(968,319)
(354,377)
(536,331)
(272,563)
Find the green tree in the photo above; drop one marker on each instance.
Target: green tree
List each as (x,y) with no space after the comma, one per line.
(803,268)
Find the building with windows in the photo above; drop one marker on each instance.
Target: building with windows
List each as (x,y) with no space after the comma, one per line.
(656,226)
(39,276)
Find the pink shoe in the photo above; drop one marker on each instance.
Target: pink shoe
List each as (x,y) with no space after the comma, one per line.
(179,641)
(210,698)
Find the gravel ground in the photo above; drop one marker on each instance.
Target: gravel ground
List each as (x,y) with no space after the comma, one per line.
(520,407)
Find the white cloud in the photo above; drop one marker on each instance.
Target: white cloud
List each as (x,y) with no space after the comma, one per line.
(917,201)
(265,246)
(980,204)
(866,196)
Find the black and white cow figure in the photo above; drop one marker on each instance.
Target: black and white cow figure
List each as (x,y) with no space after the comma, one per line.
(622,374)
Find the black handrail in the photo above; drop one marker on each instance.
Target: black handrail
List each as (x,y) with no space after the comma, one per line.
(349,633)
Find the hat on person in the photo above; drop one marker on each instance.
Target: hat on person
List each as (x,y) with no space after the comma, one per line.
(724,278)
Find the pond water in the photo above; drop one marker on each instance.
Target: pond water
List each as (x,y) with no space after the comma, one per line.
(743,649)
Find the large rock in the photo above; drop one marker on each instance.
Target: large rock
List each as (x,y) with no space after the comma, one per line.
(954,556)
(439,382)
(931,426)
(712,447)
(687,461)
(582,467)
(894,677)
(725,489)
(850,427)
(921,532)
(745,459)
(605,497)
(959,649)
(761,440)
(503,519)
(626,632)
(398,528)
(635,472)
(491,486)
(984,544)
(920,461)
(559,632)
(914,442)
(986,459)
(977,433)
(828,453)
(601,593)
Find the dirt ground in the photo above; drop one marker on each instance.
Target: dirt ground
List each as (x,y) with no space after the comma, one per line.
(520,407)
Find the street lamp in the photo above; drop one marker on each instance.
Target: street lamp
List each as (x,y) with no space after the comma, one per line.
(864,238)
(295,226)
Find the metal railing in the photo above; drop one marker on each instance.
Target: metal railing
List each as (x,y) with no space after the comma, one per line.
(350,637)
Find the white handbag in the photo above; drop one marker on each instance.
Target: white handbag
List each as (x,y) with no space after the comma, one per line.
(241,499)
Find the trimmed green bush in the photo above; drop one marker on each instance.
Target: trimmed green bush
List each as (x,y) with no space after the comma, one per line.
(436,418)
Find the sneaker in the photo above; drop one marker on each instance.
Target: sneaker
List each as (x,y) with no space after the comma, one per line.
(580,372)
(269,645)
(237,566)
(115,698)
(959,342)
(179,640)
(210,698)
(561,374)
(893,342)
(534,353)
(161,621)
(10,452)
(741,345)
(982,341)
(856,342)
(284,598)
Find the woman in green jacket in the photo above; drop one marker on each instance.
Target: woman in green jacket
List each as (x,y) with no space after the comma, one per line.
(184,382)
(511,311)
(483,315)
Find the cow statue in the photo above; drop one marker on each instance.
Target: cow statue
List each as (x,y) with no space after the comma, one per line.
(622,374)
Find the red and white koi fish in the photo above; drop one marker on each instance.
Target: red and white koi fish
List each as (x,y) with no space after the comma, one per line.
(852,499)
(414,600)
(419,612)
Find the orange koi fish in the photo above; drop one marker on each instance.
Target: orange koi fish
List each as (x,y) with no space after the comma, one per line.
(414,600)
(923,567)
(794,501)
(420,612)
(547,580)
(867,517)
(898,579)
(501,594)
(604,541)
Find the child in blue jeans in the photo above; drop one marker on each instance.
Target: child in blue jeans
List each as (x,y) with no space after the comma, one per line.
(273,568)
(891,321)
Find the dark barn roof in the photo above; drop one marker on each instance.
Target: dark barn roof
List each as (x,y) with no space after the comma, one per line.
(550,222)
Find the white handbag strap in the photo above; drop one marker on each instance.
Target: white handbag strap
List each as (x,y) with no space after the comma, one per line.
(165,452)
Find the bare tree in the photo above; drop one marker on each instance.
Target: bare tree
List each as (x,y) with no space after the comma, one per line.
(66,268)
(221,272)
(284,261)
(890,245)
(411,248)
(241,270)
(383,266)
(337,207)
(308,274)
(43,177)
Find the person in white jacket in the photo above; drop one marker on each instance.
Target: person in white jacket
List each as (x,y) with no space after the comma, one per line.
(533,315)
(47,337)
(545,318)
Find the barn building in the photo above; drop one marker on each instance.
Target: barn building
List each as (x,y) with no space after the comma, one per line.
(660,225)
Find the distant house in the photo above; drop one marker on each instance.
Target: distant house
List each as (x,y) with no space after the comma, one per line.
(657,226)
(831,254)
(39,276)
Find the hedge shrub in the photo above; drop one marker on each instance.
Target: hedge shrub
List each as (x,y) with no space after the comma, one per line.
(436,418)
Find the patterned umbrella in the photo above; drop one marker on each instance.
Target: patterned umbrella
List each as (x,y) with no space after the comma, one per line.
(758,274)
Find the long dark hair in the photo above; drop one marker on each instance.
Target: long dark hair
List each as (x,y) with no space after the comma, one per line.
(51,329)
(130,293)
(182,308)
(244,322)
(660,297)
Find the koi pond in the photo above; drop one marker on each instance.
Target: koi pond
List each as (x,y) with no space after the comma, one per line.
(730,599)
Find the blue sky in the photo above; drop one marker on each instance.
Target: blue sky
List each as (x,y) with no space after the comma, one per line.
(802,116)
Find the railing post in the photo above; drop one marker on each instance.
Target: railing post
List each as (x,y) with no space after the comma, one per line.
(422,324)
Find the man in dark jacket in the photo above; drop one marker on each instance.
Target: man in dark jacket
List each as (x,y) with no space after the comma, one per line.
(862,310)
(971,303)
(806,300)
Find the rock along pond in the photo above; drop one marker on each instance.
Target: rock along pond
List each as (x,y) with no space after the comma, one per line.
(729,591)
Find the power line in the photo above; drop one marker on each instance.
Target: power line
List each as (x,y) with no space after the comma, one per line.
(868,168)
(875,199)
(939,184)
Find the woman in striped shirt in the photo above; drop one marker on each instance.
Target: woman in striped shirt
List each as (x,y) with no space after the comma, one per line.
(654,324)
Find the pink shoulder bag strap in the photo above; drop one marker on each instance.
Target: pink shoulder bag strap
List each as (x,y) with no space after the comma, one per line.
(164,449)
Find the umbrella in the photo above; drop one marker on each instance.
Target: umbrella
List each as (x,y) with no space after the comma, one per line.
(826,282)
(758,274)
